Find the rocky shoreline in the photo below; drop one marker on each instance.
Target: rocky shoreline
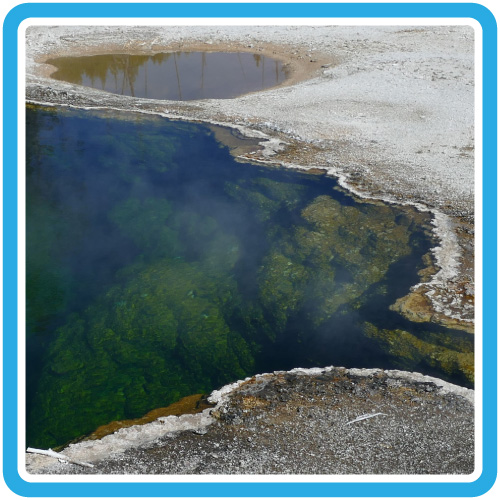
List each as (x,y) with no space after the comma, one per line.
(299,422)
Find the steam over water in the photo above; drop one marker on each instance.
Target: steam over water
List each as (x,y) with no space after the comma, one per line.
(158,267)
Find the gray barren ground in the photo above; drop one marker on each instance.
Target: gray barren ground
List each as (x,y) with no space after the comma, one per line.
(301,422)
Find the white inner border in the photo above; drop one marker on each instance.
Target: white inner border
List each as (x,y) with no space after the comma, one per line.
(249,22)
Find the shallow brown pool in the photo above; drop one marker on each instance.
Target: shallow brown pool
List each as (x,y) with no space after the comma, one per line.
(180,76)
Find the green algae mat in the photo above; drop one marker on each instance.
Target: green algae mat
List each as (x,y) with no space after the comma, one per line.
(158,267)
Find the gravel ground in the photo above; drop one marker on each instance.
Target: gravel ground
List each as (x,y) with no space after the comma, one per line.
(298,422)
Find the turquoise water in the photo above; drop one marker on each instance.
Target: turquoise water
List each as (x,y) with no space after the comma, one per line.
(158,267)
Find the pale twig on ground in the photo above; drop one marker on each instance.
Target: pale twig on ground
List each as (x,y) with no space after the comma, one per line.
(364,417)
(59,456)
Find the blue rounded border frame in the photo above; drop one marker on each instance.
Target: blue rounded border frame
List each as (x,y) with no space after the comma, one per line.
(250,489)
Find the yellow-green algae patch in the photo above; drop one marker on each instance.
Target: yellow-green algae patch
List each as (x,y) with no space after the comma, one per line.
(187,405)
(451,356)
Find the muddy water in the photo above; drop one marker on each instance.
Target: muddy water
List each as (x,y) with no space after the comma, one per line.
(179,76)
(158,267)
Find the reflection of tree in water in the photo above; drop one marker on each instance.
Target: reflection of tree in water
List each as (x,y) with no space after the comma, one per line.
(120,73)
(260,59)
(123,68)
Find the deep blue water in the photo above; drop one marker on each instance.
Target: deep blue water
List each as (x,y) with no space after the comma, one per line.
(158,267)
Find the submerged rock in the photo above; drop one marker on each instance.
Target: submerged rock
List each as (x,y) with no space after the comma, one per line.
(446,352)
(417,306)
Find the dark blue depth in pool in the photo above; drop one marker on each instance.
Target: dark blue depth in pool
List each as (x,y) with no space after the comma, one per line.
(158,267)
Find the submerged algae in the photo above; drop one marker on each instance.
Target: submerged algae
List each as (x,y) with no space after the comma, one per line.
(211,271)
(144,344)
(444,353)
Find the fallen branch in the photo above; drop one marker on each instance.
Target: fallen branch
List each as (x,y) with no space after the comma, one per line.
(59,456)
(364,417)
